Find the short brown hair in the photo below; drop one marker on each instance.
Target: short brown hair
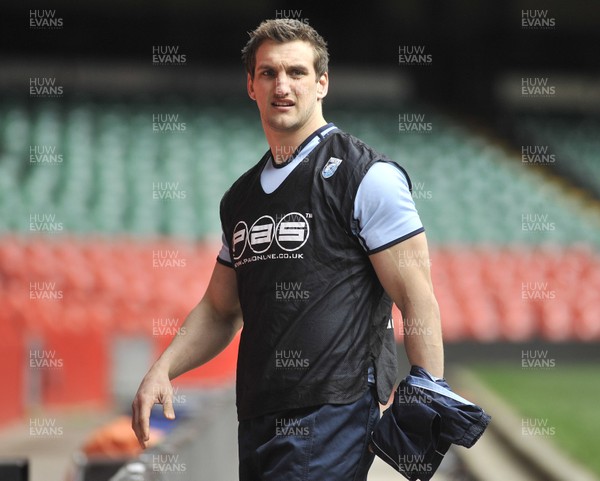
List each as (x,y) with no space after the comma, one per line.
(285,30)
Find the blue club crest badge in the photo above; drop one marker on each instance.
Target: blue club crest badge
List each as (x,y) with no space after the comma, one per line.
(330,167)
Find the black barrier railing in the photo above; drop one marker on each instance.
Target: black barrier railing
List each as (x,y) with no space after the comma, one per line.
(14,469)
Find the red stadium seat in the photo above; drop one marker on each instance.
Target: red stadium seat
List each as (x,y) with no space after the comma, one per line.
(557,321)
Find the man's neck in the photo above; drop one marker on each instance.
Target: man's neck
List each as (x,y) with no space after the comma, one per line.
(283,144)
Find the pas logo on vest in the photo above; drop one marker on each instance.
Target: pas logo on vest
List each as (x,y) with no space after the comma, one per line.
(290,233)
(330,167)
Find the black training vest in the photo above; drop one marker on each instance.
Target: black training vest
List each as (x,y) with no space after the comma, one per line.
(315,314)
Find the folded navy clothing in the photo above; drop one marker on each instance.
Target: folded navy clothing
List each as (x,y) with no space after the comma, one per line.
(425,418)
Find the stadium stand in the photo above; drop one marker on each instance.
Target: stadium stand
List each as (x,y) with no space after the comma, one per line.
(117,226)
(571,142)
(112,174)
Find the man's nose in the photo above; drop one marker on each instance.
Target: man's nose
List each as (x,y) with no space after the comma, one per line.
(282,85)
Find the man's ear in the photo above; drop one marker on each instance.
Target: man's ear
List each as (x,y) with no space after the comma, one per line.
(322,86)
(250,87)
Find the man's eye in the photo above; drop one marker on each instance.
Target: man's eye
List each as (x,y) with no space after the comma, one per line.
(268,73)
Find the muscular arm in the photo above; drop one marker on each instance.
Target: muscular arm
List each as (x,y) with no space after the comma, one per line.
(403,270)
(209,328)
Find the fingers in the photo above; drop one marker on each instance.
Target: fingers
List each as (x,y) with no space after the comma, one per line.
(144,422)
(141,419)
(168,410)
(142,407)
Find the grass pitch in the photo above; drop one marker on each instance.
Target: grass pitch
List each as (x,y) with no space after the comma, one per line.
(563,402)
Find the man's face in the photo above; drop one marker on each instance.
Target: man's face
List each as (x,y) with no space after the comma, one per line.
(285,85)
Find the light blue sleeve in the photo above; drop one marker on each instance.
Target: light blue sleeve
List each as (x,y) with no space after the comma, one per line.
(384,210)
(224,252)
